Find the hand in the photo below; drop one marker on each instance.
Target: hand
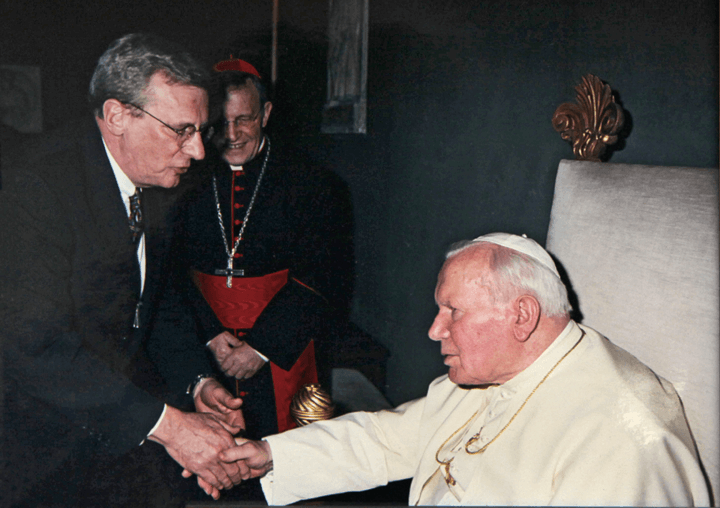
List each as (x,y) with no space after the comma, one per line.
(254,457)
(194,440)
(209,489)
(235,357)
(222,345)
(213,398)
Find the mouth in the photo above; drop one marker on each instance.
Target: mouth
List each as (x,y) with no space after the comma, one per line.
(447,358)
(235,146)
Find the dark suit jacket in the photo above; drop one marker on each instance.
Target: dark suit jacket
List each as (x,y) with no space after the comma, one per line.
(79,380)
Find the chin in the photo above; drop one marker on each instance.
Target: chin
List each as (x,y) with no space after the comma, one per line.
(235,159)
(463,380)
(171,182)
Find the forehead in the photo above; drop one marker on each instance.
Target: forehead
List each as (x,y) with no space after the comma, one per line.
(468,271)
(242,101)
(160,87)
(176,96)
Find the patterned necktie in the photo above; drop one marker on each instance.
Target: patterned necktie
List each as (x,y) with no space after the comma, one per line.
(135,220)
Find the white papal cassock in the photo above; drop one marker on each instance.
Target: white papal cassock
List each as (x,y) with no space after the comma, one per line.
(602,429)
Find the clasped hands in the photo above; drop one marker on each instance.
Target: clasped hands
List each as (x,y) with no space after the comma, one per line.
(235,357)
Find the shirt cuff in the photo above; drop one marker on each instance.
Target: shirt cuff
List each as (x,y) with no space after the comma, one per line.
(157,423)
(261,355)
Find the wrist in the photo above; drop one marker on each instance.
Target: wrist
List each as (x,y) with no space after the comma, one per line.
(162,432)
(195,384)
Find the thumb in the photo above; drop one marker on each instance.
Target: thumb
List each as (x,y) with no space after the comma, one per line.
(236,453)
(232,340)
(227,401)
(233,402)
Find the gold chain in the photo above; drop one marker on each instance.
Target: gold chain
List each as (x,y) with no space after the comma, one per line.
(445,464)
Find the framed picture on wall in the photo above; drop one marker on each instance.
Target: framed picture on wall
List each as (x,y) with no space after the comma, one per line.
(346,105)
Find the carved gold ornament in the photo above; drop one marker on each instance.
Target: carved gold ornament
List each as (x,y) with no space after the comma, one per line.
(310,404)
(593,123)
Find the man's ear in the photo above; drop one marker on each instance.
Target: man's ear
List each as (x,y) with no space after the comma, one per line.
(527,317)
(115,116)
(266,113)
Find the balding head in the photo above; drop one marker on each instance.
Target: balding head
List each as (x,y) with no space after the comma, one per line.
(519,264)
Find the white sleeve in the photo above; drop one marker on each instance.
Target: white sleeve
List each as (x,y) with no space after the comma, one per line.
(354,452)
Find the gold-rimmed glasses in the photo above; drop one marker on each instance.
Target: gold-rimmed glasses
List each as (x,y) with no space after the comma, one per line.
(184,134)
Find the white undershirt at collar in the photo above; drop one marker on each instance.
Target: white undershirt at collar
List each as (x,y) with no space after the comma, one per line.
(240,168)
(127,189)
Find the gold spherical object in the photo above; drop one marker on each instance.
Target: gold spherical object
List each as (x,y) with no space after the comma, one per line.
(310,404)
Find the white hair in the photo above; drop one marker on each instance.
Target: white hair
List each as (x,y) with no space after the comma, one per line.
(516,273)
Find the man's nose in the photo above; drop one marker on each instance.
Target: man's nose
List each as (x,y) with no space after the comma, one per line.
(231,132)
(438,330)
(194,147)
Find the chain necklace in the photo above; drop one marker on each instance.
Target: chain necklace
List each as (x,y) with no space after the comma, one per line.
(445,464)
(229,272)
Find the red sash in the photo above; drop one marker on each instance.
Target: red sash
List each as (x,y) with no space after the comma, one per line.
(239,307)
(288,382)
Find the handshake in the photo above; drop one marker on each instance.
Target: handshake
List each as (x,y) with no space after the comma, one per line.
(251,458)
(203,443)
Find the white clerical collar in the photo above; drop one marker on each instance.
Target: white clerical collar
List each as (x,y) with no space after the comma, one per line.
(127,188)
(561,345)
(240,168)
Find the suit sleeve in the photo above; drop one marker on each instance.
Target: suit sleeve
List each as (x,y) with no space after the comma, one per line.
(173,345)
(45,356)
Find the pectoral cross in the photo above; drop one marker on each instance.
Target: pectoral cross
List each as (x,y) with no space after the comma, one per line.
(229,273)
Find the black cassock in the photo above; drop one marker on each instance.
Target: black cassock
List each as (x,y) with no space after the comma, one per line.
(295,256)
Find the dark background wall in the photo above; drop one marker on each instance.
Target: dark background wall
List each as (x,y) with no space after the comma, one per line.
(460,97)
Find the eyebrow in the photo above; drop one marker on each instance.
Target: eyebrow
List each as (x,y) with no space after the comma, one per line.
(243,117)
(188,124)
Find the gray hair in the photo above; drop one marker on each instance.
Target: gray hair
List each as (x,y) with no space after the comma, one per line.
(125,69)
(516,273)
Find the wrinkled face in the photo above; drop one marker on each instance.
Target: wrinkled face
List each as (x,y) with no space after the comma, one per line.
(151,153)
(475,333)
(244,124)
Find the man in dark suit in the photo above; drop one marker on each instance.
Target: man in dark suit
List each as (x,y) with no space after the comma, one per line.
(96,371)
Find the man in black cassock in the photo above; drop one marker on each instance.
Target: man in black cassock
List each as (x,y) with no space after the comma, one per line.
(268,239)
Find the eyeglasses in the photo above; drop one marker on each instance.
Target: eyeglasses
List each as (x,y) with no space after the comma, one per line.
(183,135)
(242,121)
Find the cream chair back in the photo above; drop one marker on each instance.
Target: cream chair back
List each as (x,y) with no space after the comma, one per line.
(639,245)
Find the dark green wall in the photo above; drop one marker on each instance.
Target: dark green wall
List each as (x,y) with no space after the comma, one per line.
(460,100)
(461,142)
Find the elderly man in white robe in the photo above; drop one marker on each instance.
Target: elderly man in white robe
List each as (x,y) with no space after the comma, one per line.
(535,409)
